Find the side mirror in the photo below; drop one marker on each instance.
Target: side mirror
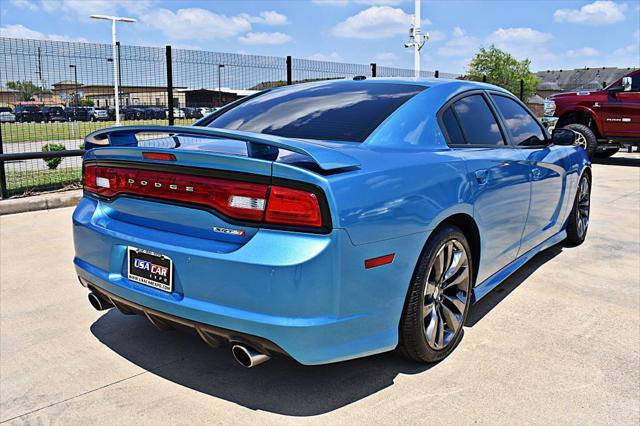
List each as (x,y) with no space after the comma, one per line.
(626,84)
(564,137)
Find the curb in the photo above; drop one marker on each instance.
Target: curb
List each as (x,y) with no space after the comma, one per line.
(40,202)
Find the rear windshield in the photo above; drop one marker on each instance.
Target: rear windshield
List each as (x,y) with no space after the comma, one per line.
(344,111)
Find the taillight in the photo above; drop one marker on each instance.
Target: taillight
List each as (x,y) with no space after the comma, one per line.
(294,207)
(238,200)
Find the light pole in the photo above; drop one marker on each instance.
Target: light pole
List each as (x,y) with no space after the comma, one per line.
(416,38)
(75,79)
(116,59)
(220,66)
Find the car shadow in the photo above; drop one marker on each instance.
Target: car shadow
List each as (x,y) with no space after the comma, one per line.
(281,386)
(498,294)
(618,161)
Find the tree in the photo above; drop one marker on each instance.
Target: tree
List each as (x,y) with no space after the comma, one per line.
(53,162)
(503,70)
(26,88)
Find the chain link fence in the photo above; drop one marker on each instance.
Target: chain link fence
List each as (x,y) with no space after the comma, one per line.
(53,93)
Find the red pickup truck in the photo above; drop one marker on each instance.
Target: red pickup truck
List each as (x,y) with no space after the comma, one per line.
(604,119)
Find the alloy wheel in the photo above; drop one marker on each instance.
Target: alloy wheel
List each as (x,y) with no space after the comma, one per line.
(584,196)
(445,294)
(581,140)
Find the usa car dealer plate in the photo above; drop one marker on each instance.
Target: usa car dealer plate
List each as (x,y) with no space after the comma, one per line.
(149,268)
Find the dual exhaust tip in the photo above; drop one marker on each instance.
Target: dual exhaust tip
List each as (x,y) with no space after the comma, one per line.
(244,355)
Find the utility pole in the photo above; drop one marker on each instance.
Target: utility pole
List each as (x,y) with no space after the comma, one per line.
(75,79)
(220,66)
(116,57)
(416,38)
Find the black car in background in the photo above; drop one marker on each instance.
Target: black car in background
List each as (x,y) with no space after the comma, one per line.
(25,113)
(78,113)
(191,112)
(53,113)
(154,113)
(132,113)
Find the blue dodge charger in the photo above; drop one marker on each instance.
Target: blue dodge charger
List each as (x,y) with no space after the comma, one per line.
(330,220)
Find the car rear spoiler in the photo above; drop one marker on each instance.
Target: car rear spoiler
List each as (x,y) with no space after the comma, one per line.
(257,144)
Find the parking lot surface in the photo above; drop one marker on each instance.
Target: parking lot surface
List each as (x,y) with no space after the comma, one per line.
(558,343)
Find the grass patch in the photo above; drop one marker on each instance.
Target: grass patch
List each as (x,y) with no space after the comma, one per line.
(30,181)
(35,132)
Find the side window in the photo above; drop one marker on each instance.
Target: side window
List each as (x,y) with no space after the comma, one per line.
(635,83)
(524,130)
(450,122)
(478,124)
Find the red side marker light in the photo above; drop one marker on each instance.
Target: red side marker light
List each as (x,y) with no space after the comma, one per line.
(163,156)
(379,261)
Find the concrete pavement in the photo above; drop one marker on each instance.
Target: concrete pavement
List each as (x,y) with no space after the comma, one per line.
(558,343)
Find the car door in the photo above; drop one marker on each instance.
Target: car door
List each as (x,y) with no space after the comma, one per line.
(621,112)
(547,167)
(498,176)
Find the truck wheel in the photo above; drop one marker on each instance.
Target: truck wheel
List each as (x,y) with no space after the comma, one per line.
(586,138)
(606,153)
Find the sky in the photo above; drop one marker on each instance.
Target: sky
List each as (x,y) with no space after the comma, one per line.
(552,34)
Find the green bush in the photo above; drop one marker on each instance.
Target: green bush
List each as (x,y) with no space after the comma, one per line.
(53,162)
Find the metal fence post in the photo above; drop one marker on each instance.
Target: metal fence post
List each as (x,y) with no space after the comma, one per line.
(522,90)
(170,87)
(436,74)
(3,176)
(374,69)
(289,76)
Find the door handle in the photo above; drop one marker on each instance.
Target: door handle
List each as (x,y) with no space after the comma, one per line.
(536,173)
(482,176)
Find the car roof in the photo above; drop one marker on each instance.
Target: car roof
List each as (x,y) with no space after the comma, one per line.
(446,84)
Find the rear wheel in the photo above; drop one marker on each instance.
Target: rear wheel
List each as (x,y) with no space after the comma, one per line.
(438,299)
(578,223)
(584,138)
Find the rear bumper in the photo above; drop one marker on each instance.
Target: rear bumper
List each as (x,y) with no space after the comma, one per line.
(307,294)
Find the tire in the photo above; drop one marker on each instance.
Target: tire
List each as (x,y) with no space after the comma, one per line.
(578,222)
(587,139)
(606,153)
(429,335)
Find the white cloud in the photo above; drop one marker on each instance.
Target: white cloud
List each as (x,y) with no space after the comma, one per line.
(20,31)
(524,43)
(331,57)
(367,2)
(435,36)
(265,38)
(583,52)
(460,44)
(331,2)
(508,36)
(25,4)
(196,23)
(374,23)
(386,58)
(629,51)
(596,13)
(268,17)
(83,8)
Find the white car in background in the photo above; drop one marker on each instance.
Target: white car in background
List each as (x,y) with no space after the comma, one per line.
(177,113)
(7,115)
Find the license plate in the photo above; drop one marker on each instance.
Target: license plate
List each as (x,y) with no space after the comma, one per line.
(149,268)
